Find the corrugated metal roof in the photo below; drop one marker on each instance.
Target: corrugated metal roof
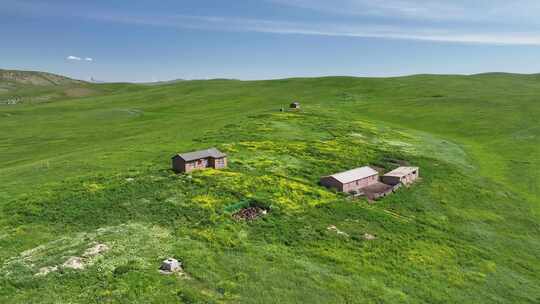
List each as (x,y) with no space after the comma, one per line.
(354,174)
(212,152)
(401,171)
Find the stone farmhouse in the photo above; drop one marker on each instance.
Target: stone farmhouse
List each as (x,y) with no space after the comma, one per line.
(210,158)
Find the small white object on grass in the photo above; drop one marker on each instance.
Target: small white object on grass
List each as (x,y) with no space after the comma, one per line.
(170,265)
(369,237)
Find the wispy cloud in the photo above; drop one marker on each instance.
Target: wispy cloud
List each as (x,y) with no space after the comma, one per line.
(397,8)
(458,10)
(456,21)
(77,58)
(422,33)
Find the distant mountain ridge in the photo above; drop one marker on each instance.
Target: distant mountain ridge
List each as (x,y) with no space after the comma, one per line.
(35,78)
(8,78)
(32,87)
(163,82)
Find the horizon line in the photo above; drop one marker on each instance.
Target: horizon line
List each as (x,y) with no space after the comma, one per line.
(271,78)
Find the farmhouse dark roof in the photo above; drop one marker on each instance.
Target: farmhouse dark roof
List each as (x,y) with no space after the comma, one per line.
(212,152)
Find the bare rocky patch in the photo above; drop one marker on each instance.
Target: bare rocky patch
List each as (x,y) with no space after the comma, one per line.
(78,262)
(43,271)
(95,250)
(108,247)
(74,263)
(333,228)
(369,237)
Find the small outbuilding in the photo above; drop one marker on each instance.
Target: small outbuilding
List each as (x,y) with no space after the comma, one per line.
(171,265)
(352,180)
(210,158)
(401,175)
(295,105)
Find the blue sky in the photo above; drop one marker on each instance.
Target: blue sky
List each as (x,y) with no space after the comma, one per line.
(115,40)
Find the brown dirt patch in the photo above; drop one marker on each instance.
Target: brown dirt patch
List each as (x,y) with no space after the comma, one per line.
(250,213)
(377,190)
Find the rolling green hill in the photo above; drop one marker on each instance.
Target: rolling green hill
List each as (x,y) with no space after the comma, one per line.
(31,87)
(34,78)
(81,171)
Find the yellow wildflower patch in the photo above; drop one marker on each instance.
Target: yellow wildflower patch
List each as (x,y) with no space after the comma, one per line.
(206,201)
(93,187)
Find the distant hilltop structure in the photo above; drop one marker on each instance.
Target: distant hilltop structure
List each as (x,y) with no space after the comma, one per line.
(295,105)
(93,80)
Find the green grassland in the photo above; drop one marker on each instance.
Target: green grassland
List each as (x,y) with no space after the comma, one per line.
(28,87)
(95,169)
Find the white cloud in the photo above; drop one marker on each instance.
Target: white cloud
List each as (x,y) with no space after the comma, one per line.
(77,58)
(457,21)
(457,10)
(360,30)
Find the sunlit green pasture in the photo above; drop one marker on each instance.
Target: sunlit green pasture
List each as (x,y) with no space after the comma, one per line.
(90,170)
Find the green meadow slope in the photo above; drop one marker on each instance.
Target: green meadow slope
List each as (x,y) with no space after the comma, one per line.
(75,172)
(31,87)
